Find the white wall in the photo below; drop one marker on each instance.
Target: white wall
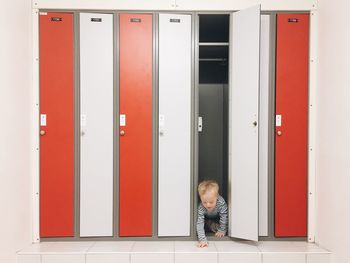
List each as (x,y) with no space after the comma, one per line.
(15,91)
(333,129)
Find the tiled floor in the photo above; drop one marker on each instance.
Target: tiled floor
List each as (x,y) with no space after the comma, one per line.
(173,252)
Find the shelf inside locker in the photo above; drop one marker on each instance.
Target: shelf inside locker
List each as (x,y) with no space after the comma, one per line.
(214,44)
(214,28)
(213,64)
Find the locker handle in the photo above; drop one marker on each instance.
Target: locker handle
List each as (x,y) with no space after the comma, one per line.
(122,133)
(279,133)
(42,132)
(255,123)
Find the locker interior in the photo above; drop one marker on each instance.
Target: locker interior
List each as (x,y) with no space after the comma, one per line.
(213,99)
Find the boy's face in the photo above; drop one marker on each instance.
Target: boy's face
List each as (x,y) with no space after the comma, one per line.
(209,200)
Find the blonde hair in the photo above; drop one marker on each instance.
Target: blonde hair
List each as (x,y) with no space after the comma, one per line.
(208,185)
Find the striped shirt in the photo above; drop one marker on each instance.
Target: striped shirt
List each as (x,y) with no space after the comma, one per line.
(220,211)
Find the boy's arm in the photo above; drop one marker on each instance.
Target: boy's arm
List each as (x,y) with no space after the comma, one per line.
(223,216)
(200,225)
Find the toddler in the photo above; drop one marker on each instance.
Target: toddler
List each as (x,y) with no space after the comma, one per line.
(212,212)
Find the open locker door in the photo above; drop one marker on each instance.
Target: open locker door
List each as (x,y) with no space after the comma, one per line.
(243,123)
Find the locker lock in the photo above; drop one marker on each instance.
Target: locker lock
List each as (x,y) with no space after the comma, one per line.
(279,133)
(255,123)
(122,133)
(42,132)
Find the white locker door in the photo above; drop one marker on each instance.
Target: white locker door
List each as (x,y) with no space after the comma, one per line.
(264,124)
(96,124)
(243,123)
(174,200)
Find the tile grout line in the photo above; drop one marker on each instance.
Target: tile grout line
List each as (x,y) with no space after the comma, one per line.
(132,247)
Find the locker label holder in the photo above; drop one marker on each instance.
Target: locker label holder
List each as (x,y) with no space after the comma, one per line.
(56,19)
(96,19)
(293,20)
(135,20)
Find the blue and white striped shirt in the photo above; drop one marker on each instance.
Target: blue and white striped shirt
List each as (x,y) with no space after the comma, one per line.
(220,211)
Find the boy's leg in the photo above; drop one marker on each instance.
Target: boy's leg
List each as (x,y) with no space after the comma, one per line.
(212,225)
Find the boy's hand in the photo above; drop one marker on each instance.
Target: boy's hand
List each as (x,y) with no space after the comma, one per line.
(219,234)
(202,244)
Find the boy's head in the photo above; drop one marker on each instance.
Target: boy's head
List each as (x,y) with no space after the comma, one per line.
(208,192)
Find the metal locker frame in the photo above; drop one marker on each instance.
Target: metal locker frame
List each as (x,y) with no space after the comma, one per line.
(35,103)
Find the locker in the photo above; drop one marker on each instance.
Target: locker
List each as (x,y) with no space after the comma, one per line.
(135,149)
(249,99)
(237,89)
(175,82)
(291,125)
(56,125)
(96,124)
(243,123)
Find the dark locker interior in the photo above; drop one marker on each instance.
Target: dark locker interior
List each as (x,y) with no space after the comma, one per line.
(213,99)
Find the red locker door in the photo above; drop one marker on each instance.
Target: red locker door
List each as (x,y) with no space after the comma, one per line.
(291,125)
(135,213)
(57,125)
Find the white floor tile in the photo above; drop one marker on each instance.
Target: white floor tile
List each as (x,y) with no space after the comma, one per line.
(69,247)
(63,259)
(196,257)
(37,248)
(283,258)
(191,247)
(152,258)
(108,258)
(318,258)
(238,257)
(289,247)
(153,247)
(112,247)
(309,247)
(276,246)
(236,247)
(188,252)
(28,259)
